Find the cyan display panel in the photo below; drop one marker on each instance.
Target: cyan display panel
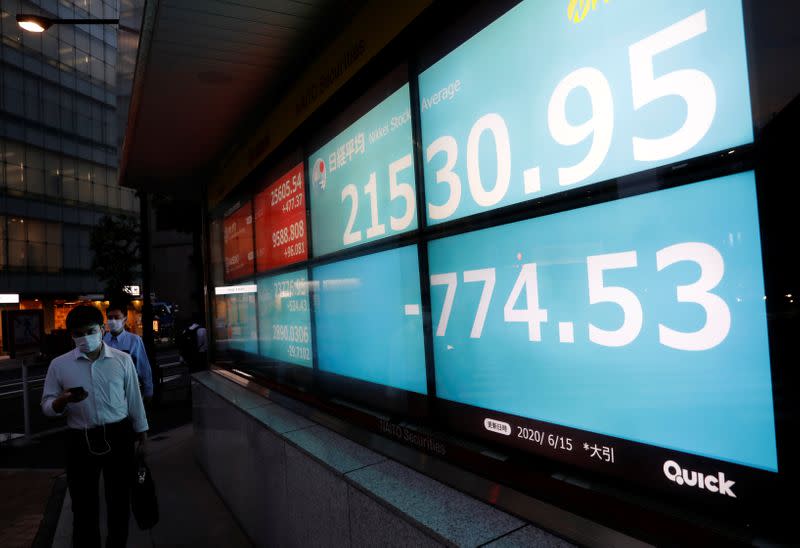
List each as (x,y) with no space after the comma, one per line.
(369,319)
(641,318)
(556,95)
(362,181)
(284,319)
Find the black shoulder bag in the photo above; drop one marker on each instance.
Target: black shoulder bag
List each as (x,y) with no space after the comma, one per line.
(143,496)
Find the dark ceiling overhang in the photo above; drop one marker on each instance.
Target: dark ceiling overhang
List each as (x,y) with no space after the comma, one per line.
(204,70)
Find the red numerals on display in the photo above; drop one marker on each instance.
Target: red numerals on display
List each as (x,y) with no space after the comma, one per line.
(281,222)
(238,243)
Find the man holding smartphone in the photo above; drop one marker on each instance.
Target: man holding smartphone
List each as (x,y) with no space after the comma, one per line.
(97,388)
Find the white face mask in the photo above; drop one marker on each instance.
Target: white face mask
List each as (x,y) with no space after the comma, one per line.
(116,325)
(88,343)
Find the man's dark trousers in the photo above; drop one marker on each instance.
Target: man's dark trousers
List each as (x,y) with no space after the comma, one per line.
(83,475)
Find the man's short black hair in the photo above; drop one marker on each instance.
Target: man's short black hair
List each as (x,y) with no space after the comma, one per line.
(84,315)
(117,305)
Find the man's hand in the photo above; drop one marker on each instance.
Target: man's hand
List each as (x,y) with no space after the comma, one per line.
(60,403)
(141,445)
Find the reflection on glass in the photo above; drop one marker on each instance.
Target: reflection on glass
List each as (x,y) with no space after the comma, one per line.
(641,318)
(368,319)
(238,243)
(235,322)
(284,319)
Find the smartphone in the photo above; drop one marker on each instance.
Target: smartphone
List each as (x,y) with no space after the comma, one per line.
(78,393)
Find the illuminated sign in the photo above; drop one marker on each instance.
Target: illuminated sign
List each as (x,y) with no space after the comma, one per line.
(9,298)
(132,290)
(238,243)
(280,213)
(362,182)
(581,99)
(641,318)
(369,321)
(284,319)
(235,289)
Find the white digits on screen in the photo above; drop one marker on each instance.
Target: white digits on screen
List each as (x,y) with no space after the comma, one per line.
(532,314)
(625,298)
(401,190)
(487,276)
(371,190)
(693,86)
(451,281)
(718,316)
(448,145)
(350,237)
(601,124)
(497,126)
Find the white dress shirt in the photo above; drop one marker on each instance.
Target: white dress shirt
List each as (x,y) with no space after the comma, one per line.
(110,381)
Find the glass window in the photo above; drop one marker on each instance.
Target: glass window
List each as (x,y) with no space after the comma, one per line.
(70,189)
(84,191)
(66,55)
(13,79)
(50,46)
(85,258)
(37,256)
(37,231)
(97,68)
(34,180)
(34,158)
(84,126)
(15,177)
(54,233)
(32,111)
(50,70)
(13,102)
(54,258)
(15,152)
(52,184)
(82,41)
(100,196)
(16,229)
(17,254)
(51,114)
(113,197)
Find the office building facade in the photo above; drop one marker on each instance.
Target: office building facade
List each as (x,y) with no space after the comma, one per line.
(59,153)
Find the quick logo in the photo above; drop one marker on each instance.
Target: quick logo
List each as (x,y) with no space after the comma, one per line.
(713,483)
(577,10)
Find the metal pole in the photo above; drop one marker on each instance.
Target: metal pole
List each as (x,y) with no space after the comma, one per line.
(26,410)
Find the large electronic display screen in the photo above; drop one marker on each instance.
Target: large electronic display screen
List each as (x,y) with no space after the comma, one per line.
(280,218)
(641,318)
(238,243)
(362,181)
(556,95)
(368,314)
(284,319)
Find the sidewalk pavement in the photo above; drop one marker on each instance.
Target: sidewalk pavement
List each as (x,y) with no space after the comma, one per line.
(24,504)
(192,513)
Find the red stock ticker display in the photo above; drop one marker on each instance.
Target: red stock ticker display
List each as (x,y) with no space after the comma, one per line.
(280,213)
(238,243)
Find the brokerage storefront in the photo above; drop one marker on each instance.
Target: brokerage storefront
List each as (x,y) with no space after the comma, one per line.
(553,230)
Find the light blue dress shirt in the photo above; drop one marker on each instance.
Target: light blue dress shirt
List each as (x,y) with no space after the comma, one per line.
(110,381)
(133,345)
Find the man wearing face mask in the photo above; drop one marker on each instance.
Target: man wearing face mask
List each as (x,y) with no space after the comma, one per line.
(130,343)
(96,387)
